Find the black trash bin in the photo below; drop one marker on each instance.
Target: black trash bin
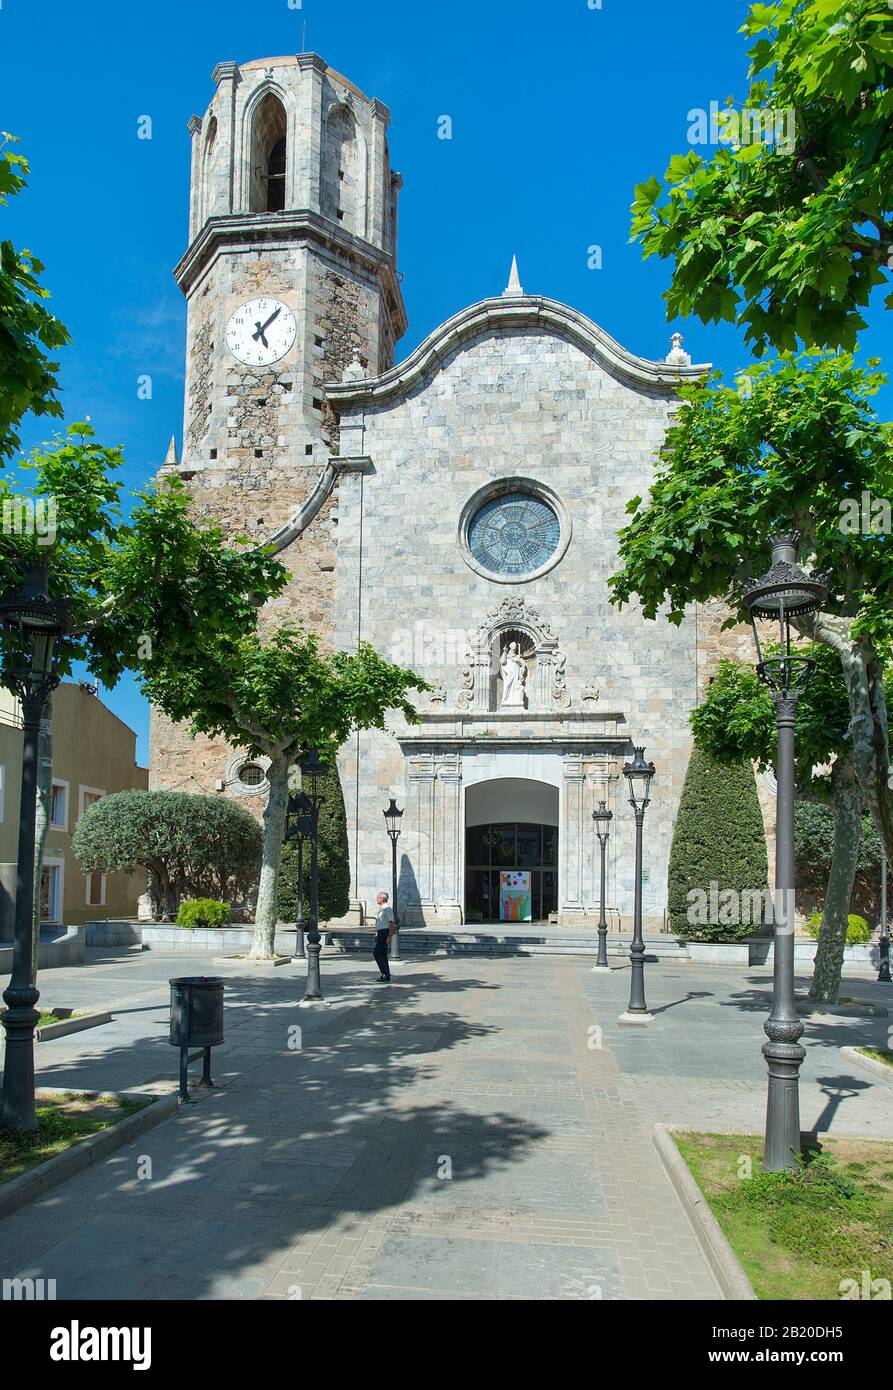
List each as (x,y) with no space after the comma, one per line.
(196,1021)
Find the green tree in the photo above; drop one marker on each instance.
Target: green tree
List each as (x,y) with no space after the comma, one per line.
(737,720)
(718,845)
(162,594)
(790,237)
(200,846)
(334,860)
(28,331)
(814,851)
(147,589)
(276,698)
(793,449)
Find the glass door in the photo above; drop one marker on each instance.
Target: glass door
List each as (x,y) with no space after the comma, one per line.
(511,848)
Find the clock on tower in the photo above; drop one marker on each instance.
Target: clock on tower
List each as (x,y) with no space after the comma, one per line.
(290,274)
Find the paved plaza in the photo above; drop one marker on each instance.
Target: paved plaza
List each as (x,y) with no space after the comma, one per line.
(481,1129)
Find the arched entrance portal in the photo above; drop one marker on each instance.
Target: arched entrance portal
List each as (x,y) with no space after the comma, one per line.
(511,850)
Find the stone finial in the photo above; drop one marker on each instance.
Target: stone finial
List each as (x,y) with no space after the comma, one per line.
(171,458)
(355,372)
(677,356)
(514,285)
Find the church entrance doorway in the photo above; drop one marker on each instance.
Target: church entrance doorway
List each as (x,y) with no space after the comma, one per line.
(511,851)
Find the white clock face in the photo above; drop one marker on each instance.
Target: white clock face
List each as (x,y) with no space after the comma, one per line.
(261,332)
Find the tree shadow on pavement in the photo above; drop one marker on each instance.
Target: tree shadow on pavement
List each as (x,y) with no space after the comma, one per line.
(311,1129)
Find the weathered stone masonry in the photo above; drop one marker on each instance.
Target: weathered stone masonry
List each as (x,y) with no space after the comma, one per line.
(368,476)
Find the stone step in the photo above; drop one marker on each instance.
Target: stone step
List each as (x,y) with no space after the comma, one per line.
(472,943)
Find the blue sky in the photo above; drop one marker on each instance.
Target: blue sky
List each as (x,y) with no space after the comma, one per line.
(558,110)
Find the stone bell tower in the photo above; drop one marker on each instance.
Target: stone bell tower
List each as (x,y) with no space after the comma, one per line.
(290,278)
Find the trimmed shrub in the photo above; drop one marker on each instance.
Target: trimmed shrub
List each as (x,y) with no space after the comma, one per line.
(202,912)
(718,845)
(193,846)
(813,845)
(334,860)
(858,931)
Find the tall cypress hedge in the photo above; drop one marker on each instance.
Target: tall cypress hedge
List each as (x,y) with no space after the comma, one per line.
(718,840)
(334,860)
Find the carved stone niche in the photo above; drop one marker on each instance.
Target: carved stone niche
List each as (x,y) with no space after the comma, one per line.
(480,678)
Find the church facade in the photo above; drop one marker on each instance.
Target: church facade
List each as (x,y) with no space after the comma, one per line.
(458,511)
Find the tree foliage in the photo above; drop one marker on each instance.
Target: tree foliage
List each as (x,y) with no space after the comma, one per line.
(148,589)
(719,841)
(278,698)
(28,331)
(736,719)
(787,447)
(165,595)
(794,449)
(788,237)
(814,843)
(192,845)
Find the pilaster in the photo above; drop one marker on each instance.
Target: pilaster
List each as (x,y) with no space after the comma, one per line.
(571,834)
(220,192)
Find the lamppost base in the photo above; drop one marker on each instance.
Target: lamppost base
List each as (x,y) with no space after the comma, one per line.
(626,1017)
(603,970)
(784,1058)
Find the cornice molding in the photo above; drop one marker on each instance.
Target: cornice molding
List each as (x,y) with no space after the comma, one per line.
(250,229)
(225,72)
(518,312)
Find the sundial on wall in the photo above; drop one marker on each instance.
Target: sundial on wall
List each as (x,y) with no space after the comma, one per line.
(514,534)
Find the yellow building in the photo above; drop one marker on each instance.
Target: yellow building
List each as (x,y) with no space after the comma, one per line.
(94,754)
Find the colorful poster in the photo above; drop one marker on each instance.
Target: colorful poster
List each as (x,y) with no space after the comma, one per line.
(514,896)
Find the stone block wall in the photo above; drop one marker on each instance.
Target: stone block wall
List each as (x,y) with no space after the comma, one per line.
(506,403)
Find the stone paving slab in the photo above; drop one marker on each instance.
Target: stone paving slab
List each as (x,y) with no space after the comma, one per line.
(446,1267)
(318,1172)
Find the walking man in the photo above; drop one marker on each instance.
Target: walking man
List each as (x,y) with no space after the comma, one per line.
(384,930)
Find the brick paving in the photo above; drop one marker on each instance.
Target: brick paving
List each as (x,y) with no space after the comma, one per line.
(482,1129)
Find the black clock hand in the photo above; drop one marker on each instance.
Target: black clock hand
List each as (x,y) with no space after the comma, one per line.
(260,333)
(261,330)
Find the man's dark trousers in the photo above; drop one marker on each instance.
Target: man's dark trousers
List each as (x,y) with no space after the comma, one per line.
(380,952)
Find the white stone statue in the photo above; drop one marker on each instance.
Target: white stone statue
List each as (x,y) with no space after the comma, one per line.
(514,674)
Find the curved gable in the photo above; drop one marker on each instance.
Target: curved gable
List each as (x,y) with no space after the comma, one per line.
(489,316)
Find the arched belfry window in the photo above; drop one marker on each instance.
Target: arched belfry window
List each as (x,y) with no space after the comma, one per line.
(269,156)
(276,177)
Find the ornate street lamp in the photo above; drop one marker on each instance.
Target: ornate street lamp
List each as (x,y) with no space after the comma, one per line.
(638,775)
(298,827)
(32,623)
(883,973)
(785,592)
(312,772)
(602,817)
(392,818)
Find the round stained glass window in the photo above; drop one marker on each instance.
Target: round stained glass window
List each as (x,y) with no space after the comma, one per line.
(514,534)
